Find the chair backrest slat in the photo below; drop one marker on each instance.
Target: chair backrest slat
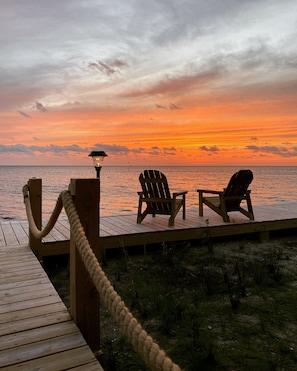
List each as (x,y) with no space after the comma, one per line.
(237,187)
(154,185)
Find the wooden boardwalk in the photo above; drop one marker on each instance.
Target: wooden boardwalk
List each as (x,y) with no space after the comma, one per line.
(36,330)
(122,230)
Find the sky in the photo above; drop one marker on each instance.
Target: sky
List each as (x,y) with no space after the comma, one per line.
(159,82)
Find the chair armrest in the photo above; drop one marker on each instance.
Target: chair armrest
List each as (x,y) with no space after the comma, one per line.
(140,193)
(142,198)
(176,194)
(209,191)
(241,197)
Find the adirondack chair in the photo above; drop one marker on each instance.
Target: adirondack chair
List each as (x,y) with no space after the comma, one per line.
(156,195)
(231,197)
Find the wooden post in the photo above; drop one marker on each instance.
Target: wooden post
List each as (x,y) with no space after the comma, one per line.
(84,298)
(35,190)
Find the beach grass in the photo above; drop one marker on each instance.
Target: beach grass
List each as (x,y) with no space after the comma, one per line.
(211,305)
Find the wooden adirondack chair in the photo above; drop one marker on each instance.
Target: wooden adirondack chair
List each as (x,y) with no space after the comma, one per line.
(231,197)
(156,195)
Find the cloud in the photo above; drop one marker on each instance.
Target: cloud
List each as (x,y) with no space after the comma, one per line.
(173,106)
(160,106)
(176,84)
(122,150)
(115,150)
(108,69)
(213,149)
(16,148)
(280,151)
(23,113)
(52,148)
(40,107)
(223,64)
(169,150)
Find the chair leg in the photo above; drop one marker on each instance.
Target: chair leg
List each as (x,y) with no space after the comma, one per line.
(224,214)
(200,200)
(172,214)
(139,212)
(226,218)
(171,221)
(250,208)
(140,215)
(184,206)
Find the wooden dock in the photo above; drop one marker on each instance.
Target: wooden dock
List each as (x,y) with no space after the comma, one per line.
(36,330)
(122,230)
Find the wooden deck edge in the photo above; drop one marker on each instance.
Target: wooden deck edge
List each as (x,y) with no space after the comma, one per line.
(262,228)
(55,248)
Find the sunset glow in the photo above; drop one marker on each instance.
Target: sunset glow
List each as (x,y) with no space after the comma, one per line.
(150,83)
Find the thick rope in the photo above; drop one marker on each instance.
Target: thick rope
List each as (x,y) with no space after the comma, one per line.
(143,344)
(39,234)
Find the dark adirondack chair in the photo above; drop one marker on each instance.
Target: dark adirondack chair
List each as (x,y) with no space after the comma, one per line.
(156,196)
(230,198)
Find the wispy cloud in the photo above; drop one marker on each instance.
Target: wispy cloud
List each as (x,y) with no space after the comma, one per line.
(23,113)
(213,149)
(275,150)
(52,148)
(108,69)
(174,84)
(171,106)
(114,150)
(197,77)
(40,107)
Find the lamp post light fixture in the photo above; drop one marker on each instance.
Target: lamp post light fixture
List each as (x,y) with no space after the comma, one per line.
(98,157)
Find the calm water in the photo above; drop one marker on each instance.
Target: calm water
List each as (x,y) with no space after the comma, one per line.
(119,185)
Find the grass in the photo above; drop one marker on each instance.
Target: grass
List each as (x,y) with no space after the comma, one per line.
(228,307)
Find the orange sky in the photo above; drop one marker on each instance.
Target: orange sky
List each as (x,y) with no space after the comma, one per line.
(212,86)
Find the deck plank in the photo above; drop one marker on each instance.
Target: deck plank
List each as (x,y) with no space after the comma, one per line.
(59,361)
(2,238)
(37,334)
(40,349)
(45,318)
(21,293)
(118,230)
(36,330)
(10,237)
(20,233)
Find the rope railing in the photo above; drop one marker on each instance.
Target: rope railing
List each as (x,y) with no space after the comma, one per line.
(39,234)
(154,357)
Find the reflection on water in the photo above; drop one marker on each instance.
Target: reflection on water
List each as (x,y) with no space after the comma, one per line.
(119,185)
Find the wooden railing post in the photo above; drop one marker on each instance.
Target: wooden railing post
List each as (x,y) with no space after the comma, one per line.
(35,189)
(84,298)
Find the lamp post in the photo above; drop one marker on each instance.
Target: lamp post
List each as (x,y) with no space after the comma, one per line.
(98,157)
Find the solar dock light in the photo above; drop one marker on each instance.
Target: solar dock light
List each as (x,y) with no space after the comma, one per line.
(98,157)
